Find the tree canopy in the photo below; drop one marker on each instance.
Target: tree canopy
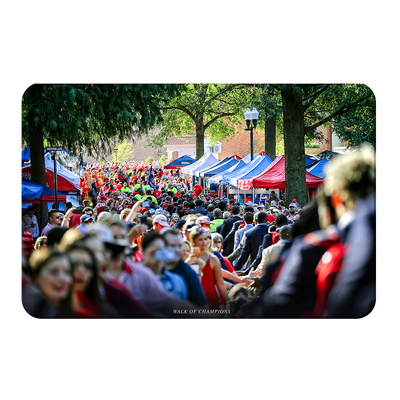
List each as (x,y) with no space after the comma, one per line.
(91,116)
(203,108)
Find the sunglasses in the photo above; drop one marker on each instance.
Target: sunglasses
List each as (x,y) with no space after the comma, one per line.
(86,264)
(88,221)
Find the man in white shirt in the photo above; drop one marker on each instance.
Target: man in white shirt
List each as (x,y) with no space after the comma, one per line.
(29,222)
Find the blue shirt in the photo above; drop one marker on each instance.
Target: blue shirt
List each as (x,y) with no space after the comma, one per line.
(174,284)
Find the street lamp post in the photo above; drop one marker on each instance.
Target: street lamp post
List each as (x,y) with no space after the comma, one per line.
(251,116)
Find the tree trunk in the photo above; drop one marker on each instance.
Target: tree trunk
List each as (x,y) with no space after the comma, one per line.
(199,136)
(270,137)
(38,171)
(293,128)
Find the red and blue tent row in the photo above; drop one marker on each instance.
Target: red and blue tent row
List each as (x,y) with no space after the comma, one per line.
(274,177)
(32,192)
(319,169)
(180,162)
(67,181)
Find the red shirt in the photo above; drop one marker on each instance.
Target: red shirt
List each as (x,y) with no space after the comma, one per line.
(157,193)
(271,218)
(197,190)
(75,221)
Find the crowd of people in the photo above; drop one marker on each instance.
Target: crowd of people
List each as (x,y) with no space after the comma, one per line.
(147,243)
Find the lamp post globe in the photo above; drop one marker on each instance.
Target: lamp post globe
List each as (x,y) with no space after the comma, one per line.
(247,117)
(251,117)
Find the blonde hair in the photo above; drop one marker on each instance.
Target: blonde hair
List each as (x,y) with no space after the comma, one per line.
(189,244)
(198,232)
(39,242)
(353,176)
(124,213)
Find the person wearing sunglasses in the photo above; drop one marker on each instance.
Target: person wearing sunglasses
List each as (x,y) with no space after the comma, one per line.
(55,218)
(86,299)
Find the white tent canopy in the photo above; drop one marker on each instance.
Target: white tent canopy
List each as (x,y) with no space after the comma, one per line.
(205,161)
(247,159)
(202,171)
(218,177)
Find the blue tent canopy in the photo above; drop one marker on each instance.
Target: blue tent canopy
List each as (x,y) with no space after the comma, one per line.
(199,172)
(221,168)
(180,162)
(262,163)
(319,168)
(232,178)
(220,176)
(31,190)
(311,159)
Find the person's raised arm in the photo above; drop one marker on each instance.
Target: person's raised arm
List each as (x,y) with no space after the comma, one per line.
(135,209)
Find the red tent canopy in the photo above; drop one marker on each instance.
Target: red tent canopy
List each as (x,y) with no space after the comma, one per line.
(63,184)
(274,177)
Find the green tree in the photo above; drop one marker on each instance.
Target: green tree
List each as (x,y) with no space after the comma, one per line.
(149,159)
(203,108)
(162,159)
(305,108)
(124,152)
(87,117)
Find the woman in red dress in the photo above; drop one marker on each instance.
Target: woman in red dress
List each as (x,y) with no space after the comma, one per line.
(211,276)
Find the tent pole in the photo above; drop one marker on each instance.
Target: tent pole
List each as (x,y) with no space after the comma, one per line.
(55,180)
(41,211)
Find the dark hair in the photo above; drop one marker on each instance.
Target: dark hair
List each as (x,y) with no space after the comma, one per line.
(52,212)
(261,217)
(180,224)
(248,209)
(191,206)
(92,291)
(217,213)
(150,238)
(222,206)
(210,207)
(281,220)
(235,210)
(54,235)
(248,217)
(308,221)
(199,202)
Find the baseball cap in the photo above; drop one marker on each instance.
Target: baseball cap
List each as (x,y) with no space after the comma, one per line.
(292,205)
(191,226)
(249,203)
(203,220)
(161,219)
(261,206)
(86,218)
(107,236)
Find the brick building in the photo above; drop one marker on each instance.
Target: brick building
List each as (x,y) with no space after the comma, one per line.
(239,145)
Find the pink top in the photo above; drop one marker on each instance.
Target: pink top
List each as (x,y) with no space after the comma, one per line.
(144,286)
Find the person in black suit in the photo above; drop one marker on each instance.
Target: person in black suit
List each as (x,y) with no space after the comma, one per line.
(226,228)
(253,240)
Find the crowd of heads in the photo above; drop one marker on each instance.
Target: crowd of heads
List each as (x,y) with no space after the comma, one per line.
(133,214)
